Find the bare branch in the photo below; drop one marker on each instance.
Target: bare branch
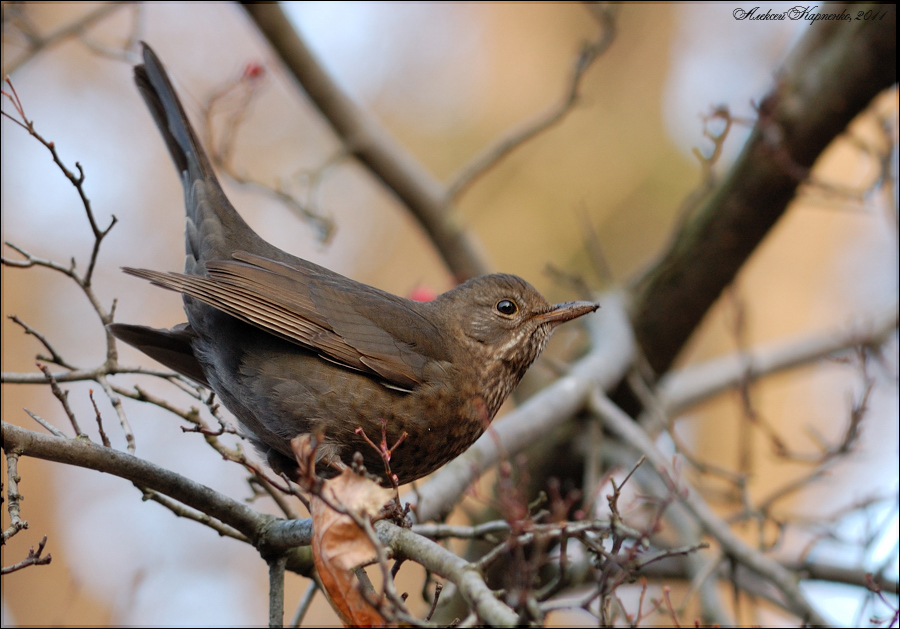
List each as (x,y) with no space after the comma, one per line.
(63,397)
(120,411)
(441,561)
(143,473)
(275,494)
(54,357)
(276,591)
(305,601)
(103,438)
(515,138)
(445,531)
(190,514)
(685,387)
(222,153)
(834,75)
(79,375)
(53,430)
(77,181)
(13,497)
(365,139)
(623,426)
(33,559)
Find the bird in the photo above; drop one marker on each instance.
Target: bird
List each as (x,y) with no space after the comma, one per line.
(292,348)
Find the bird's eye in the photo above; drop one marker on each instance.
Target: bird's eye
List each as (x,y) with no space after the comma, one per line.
(506,307)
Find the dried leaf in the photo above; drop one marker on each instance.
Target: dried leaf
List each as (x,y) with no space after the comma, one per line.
(339,545)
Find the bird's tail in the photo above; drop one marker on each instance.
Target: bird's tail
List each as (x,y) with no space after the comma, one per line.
(162,101)
(214,228)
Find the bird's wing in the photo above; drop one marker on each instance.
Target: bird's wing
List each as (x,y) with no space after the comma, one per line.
(324,312)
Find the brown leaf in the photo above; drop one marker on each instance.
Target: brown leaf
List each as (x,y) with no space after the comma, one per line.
(339,545)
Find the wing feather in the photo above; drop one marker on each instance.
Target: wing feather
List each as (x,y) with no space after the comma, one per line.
(315,308)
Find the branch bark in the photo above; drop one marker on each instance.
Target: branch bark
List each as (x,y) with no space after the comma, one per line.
(441,561)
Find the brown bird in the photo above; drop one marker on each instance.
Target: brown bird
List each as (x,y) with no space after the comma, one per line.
(293,348)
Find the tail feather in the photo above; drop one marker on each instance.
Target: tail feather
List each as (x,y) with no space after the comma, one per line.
(173,348)
(214,229)
(159,94)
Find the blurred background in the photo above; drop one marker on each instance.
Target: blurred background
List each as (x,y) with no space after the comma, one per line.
(445,79)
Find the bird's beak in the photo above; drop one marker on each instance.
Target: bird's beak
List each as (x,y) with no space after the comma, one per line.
(566,312)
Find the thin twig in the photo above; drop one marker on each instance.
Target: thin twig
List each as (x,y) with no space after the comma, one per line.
(445,531)
(191,514)
(438,588)
(116,402)
(63,397)
(492,155)
(33,559)
(80,375)
(53,430)
(622,425)
(222,153)
(78,182)
(55,356)
(305,601)
(275,494)
(103,438)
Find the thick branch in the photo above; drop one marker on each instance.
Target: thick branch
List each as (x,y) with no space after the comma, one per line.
(838,69)
(681,389)
(439,560)
(143,473)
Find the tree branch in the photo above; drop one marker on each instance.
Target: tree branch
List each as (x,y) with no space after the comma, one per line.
(371,144)
(39,43)
(440,561)
(88,455)
(515,138)
(627,430)
(686,387)
(838,70)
